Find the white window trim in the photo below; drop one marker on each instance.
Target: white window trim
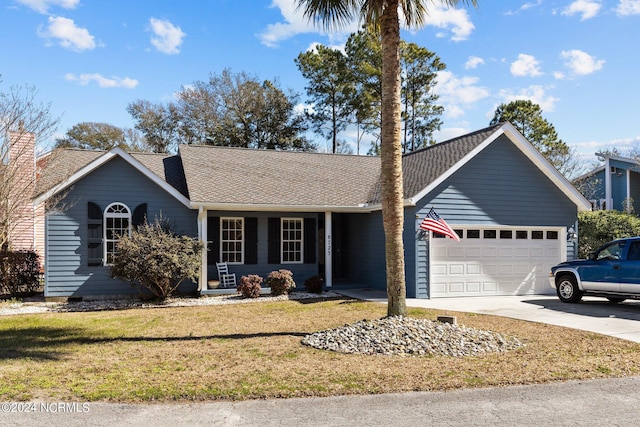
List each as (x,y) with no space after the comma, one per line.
(282,240)
(232,218)
(106,216)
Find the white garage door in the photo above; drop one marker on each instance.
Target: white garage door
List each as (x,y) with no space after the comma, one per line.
(495,261)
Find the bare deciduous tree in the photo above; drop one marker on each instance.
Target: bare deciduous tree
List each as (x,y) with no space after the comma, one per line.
(23,121)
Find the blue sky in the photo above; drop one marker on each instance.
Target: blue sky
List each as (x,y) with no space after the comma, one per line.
(578,59)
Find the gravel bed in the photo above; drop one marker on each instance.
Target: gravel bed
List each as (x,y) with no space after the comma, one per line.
(398,335)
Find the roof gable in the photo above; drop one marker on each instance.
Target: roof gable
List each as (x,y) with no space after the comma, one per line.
(425,169)
(62,168)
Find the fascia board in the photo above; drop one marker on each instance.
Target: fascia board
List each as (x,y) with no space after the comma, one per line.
(281,208)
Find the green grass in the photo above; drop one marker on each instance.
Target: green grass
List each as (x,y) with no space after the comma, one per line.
(246,351)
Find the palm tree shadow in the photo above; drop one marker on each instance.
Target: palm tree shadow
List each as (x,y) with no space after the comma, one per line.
(50,344)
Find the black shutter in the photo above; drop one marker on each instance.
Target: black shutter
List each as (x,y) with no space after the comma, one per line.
(94,235)
(139,215)
(251,240)
(213,240)
(310,240)
(274,241)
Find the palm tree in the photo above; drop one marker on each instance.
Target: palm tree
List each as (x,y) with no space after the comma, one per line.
(384,16)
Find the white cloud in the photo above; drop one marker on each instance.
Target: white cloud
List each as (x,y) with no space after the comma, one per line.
(167,38)
(586,8)
(628,7)
(525,65)
(68,34)
(294,23)
(473,62)
(534,93)
(455,92)
(104,82)
(581,63)
(42,6)
(455,21)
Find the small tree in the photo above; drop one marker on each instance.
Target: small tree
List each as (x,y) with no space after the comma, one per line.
(157,260)
(599,227)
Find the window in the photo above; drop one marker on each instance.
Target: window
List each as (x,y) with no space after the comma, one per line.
(117,223)
(506,234)
(473,234)
(291,242)
(232,240)
(552,235)
(537,235)
(489,234)
(522,234)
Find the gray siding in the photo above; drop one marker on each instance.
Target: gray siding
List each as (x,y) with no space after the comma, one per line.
(301,272)
(500,186)
(365,255)
(68,273)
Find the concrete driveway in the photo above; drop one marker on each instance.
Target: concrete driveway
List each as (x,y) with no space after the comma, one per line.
(592,314)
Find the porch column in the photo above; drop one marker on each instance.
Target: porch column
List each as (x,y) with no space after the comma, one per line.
(328,271)
(628,190)
(607,184)
(202,235)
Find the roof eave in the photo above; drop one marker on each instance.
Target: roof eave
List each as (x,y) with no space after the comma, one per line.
(361,208)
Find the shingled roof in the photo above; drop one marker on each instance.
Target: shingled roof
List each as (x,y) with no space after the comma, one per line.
(244,179)
(235,176)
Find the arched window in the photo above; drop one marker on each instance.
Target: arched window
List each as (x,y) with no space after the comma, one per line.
(117,223)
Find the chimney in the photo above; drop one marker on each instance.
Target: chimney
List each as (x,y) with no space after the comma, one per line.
(21,179)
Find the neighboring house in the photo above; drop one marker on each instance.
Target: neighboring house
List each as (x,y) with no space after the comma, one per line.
(612,186)
(311,213)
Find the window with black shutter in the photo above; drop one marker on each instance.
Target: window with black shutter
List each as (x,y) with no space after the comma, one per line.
(94,235)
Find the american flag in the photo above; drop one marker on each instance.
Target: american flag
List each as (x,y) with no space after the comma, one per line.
(438,225)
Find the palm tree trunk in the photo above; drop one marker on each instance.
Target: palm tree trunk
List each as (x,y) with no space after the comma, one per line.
(391,158)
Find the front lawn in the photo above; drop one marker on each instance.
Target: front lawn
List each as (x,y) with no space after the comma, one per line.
(247,351)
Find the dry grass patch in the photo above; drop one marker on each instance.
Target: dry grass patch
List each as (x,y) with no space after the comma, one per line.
(248,351)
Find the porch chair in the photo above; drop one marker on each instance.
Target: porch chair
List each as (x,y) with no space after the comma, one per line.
(227,280)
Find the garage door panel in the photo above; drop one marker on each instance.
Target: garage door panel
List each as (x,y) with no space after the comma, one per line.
(520,252)
(472,252)
(474,267)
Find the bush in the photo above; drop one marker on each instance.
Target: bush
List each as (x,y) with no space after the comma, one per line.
(19,273)
(250,286)
(599,227)
(280,282)
(157,260)
(313,285)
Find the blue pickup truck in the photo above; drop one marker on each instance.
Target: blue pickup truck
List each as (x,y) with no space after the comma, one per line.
(613,272)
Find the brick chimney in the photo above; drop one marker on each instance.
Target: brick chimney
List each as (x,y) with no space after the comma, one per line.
(22,177)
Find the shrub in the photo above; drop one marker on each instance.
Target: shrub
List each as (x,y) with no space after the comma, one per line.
(280,282)
(19,273)
(157,260)
(313,284)
(599,227)
(250,286)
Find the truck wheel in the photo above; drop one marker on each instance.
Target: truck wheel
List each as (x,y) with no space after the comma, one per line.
(567,289)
